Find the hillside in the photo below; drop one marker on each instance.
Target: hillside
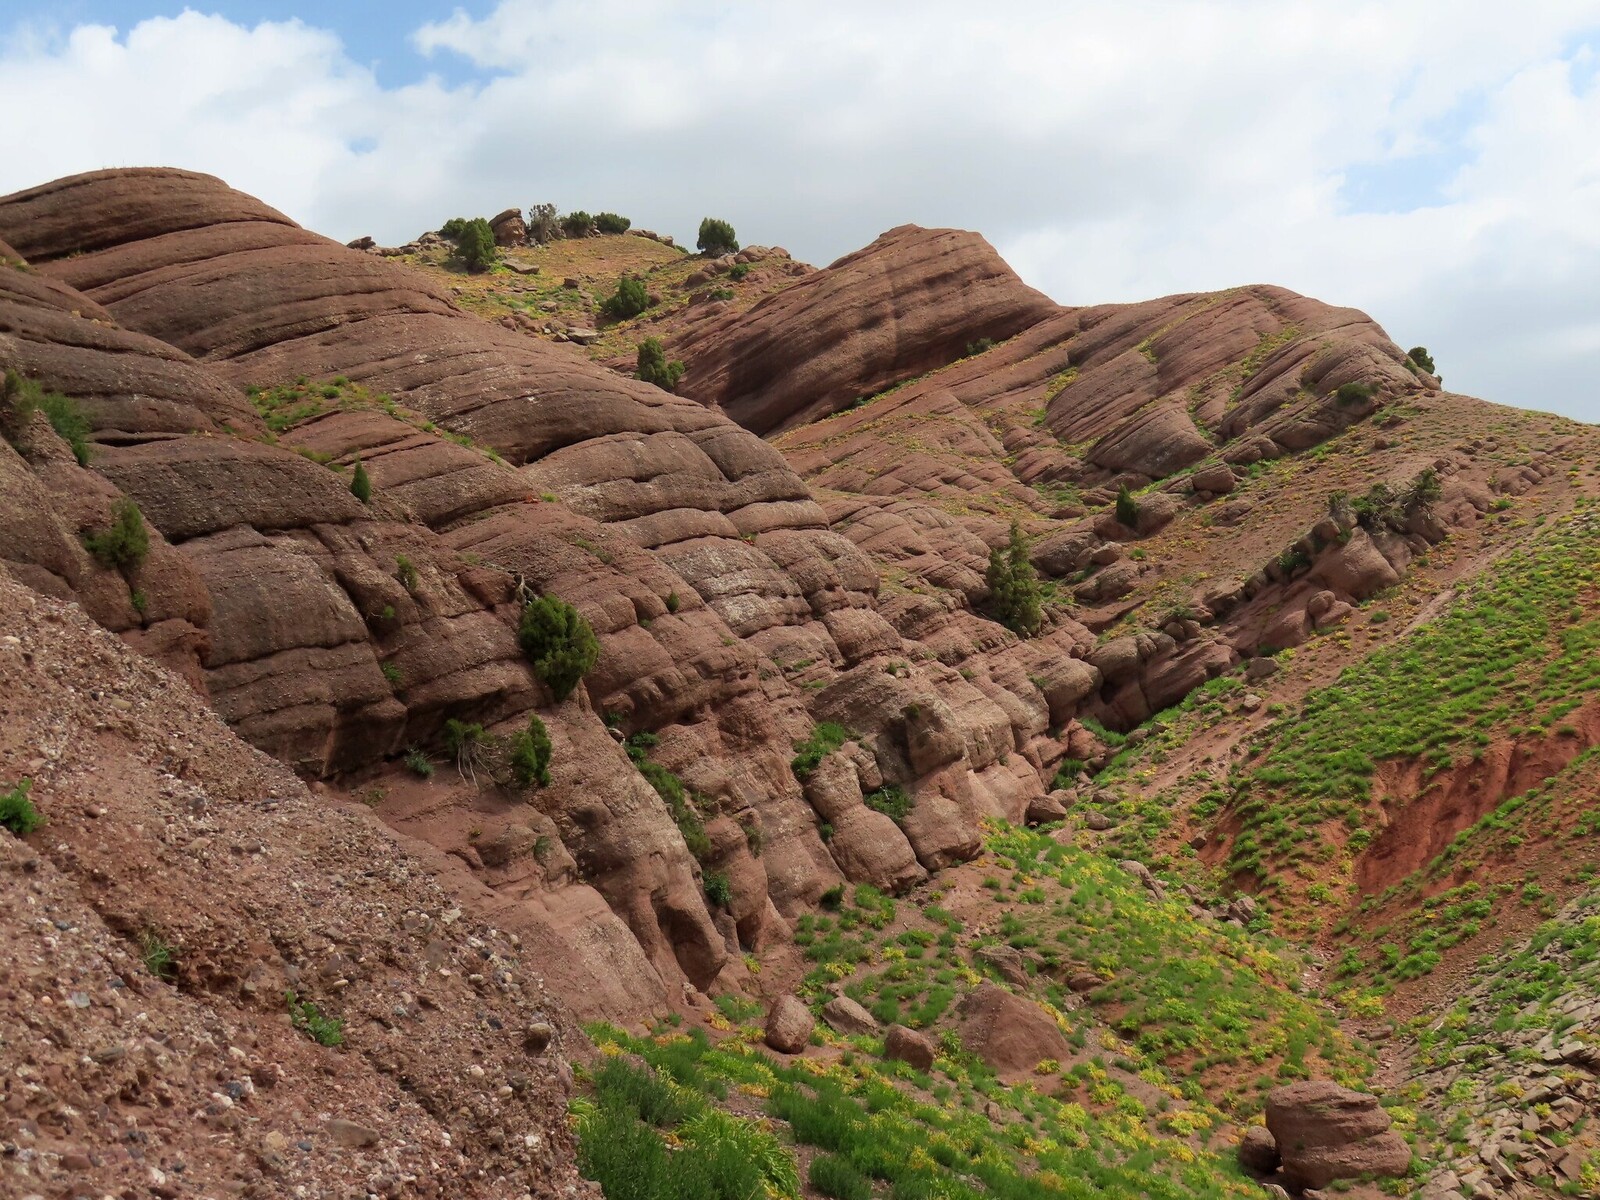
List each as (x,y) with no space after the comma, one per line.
(1301,738)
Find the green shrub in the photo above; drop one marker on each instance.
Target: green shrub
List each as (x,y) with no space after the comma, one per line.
(610,222)
(1354,393)
(578,224)
(1014,592)
(70,423)
(17,812)
(558,642)
(530,754)
(716,238)
(360,485)
(391,672)
(629,300)
(418,763)
(476,246)
(673,602)
(824,740)
(125,543)
(738,271)
(718,889)
(834,1177)
(891,800)
(406,572)
(323,1030)
(544,223)
(464,741)
(653,366)
(1127,508)
(978,347)
(1420,357)
(832,898)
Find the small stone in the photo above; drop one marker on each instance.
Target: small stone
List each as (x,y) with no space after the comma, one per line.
(537,1037)
(352,1135)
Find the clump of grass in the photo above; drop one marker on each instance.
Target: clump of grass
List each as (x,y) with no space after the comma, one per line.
(530,754)
(418,763)
(309,1020)
(891,800)
(824,740)
(17,812)
(159,956)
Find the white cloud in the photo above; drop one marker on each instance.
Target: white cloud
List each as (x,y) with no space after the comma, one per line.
(1110,151)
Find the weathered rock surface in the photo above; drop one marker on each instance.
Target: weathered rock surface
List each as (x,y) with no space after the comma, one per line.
(914,299)
(909,1046)
(1011,1034)
(1325,1132)
(789,1025)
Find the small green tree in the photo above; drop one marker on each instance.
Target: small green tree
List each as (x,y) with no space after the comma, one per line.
(360,485)
(125,542)
(577,224)
(610,222)
(1420,356)
(1127,508)
(476,246)
(530,754)
(1014,592)
(716,238)
(629,300)
(654,367)
(558,642)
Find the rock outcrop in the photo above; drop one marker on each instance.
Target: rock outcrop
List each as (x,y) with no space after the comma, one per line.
(913,300)
(1325,1132)
(1013,1035)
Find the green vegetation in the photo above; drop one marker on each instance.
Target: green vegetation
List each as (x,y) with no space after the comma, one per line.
(543,223)
(629,300)
(474,242)
(558,642)
(1127,508)
(610,222)
(360,485)
(716,1156)
(20,397)
(891,800)
(719,890)
(465,742)
(323,1030)
(653,366)
(1516,651)
(159,956)
(530,754)
(418,763)
(406,572)
(1354,393)
(391,672)
(716,238)
(1418,356)
(679,800)
(17,812)
(124,544)
(824,740)
(978,347)
(1014,592)
(870,1125)
(577,224)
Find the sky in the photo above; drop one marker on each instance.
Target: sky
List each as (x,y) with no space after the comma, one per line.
(1435,164)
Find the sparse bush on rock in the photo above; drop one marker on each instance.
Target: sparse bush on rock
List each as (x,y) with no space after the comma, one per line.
(124,544)
(558,642)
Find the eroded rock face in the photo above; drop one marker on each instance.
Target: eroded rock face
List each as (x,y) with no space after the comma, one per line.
(914,299)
